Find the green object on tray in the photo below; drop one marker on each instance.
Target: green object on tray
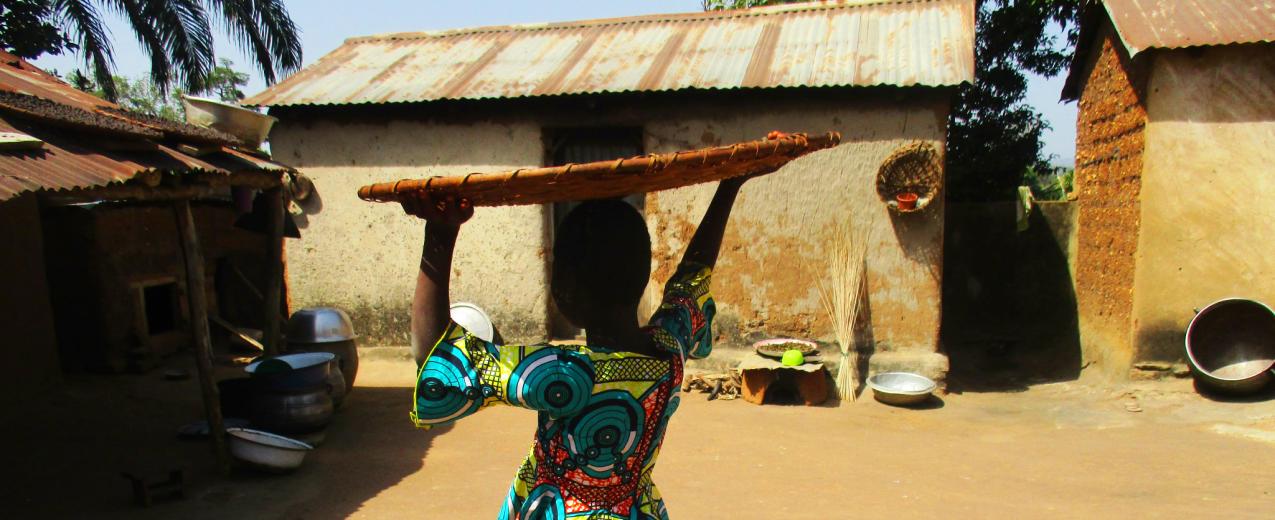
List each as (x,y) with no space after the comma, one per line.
(793,358)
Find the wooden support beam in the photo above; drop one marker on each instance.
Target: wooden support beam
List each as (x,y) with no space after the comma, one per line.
(197,301)
(130,192)
(274,279)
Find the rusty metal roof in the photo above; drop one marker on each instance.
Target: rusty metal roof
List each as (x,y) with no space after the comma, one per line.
(80,151)
(1170,24)
(816,44)
(1160,24)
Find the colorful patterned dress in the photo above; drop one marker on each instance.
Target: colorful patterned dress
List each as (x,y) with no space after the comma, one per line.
(602,413)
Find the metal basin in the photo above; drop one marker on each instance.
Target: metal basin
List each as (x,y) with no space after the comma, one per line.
(1231,346)
(266,451)
(347,357)
(292,371)
(320,325)
(249,126)
(901,388)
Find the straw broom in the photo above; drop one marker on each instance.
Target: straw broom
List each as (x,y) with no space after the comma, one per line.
(839,292)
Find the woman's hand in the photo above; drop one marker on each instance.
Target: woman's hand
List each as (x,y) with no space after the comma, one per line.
(447,211)
(736,182)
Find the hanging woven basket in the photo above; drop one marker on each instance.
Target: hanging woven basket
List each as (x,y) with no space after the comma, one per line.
(606,179)
(911,177)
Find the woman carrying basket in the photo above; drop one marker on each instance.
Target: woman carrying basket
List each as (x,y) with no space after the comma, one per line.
(603,407)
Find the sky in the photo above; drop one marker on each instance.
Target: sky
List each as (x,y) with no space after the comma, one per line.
(324,24)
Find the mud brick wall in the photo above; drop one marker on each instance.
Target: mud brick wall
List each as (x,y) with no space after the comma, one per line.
(1110,139)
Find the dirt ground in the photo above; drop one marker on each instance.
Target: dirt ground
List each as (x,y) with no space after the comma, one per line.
(1069,450)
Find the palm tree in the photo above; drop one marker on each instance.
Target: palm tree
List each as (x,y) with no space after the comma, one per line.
(177,36)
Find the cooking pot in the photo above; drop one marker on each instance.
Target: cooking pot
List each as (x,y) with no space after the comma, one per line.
(1231,346)
(320,325)
(292,412)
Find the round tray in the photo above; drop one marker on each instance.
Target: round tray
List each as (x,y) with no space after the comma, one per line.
(615,178)
(775,348)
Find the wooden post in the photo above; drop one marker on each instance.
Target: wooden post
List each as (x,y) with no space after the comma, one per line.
(274,281)
(198,304)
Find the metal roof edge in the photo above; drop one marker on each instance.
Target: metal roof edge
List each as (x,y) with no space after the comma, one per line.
(813,6)
(621,92)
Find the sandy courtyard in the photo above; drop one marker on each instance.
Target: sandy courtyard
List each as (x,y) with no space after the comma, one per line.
(1055,451)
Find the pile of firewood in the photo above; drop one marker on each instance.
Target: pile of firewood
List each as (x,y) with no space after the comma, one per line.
(724,385)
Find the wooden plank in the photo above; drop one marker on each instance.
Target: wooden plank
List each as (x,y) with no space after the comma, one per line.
(197,301)
(274,283)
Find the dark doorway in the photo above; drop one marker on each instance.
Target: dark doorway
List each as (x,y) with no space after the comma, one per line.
(1009,307)
(582,145)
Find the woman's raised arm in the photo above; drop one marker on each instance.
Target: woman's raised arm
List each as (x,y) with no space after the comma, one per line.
(431,303)
(707,241)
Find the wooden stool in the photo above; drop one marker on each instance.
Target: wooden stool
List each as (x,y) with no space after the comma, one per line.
(812,386)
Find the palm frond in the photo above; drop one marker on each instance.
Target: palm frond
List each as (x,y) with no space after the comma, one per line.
(183,27)
(148,36)
(281,34)
(81,19)
(239,19)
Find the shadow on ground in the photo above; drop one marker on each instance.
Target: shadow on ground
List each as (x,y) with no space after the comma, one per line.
(74,443)
(1267,393)
(1009,307)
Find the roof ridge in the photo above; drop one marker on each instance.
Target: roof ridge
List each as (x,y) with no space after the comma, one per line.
(770,10)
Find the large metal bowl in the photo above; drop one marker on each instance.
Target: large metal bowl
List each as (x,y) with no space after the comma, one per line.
(901,388)
(248,125)
(320,325)
(1231,346)
(266,451)
(292,371)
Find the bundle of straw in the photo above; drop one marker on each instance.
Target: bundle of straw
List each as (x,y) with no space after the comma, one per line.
(840,292)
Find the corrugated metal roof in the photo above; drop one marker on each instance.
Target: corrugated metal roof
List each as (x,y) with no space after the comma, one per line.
(1160,24)
(817,44)
(1170,24)
(71,158)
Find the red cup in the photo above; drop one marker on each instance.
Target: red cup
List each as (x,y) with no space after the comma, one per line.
(907,201)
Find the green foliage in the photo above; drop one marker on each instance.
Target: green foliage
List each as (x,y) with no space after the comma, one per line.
(225,82)
(993,136)
(143,95)
(176,35)
(27,28)
(720,5)
(1041,185)
(1055,184)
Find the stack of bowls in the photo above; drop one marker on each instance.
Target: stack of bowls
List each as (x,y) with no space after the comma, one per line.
(327,329)
(291,393)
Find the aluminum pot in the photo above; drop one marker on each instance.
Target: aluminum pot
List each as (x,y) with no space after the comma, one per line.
(320,325)
(293,412)
(346,352)
(1231,346)
(336,385)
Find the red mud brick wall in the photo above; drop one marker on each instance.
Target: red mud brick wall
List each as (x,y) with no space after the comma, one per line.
(1110,138)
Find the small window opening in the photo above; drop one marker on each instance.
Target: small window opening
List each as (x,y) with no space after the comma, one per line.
(160,304)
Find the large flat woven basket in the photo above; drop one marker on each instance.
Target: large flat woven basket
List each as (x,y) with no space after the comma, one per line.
(606,179)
